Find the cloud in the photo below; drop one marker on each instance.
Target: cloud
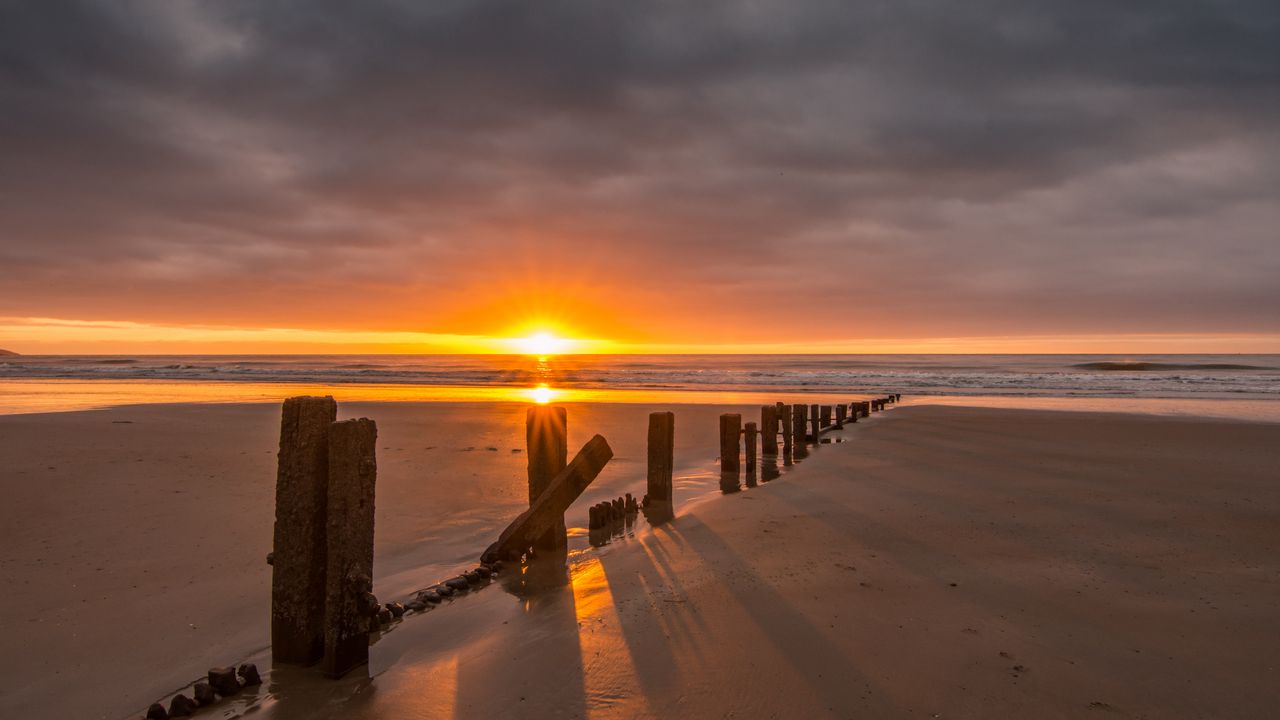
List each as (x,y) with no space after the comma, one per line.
(735,172)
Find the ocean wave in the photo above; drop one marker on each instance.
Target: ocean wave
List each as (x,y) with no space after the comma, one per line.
(1146,366)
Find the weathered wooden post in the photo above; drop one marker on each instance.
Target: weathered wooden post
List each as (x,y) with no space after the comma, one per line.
(353,473)
(750,436)
(547,440)
(814,412)
(298,548)
(730,431)
(769,430)
(840,411)
(853,412)
(798,419)
(825,416)
(784,419)
(551,505)
(662,437)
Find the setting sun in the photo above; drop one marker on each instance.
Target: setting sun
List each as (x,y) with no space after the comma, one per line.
(542,343)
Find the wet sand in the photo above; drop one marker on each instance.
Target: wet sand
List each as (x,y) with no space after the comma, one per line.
(950,561)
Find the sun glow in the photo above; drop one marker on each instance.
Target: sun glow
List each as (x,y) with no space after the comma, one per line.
(542,343)
(542,394)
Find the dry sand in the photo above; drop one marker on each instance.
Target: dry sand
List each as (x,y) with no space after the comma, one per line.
(947,562)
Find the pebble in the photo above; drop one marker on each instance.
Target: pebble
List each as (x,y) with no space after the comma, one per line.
(369,604)
(223,681)
(472,577)
(430,596)
(204,694)
(396,609)
(442,590)
(157,712)
(459,584)
(484,572)
(181,706)
(248,672)
(385,616)
(415,605)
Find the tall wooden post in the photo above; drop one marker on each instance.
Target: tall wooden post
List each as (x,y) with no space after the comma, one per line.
(769,430)
(840,411)
(662,437)
(298,549)
(784,419)
(798,419)
(730,430)
(825,411)
(750,436)
(814,420)
(353,473)
(547,439)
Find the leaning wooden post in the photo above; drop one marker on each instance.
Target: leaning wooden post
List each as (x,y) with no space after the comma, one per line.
(546,436)
(298,549)
(662,436)
(750,435)
(798,417)
(769,430)
(730,430)
(551,505)
(353,473)
(784,419)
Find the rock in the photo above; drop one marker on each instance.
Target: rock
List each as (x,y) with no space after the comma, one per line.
(248,672)
(396,609)
(385,616)
(443,590)
(271,558)
(459,584)
(484,572)
(430,596)
(157,712)
(181,706)
(223,681)
(204,694)
(369,604)
(415,605)
(472,577)
(496,565)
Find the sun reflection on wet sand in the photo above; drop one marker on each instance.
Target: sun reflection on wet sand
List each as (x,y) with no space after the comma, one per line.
(609,676)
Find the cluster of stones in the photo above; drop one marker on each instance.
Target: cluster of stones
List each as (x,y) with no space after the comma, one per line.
(602,515)
(223,681)
(458,585)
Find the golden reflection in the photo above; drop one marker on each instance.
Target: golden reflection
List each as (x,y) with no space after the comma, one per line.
(542,394)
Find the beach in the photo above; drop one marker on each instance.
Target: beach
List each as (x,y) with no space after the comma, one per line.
(953,561)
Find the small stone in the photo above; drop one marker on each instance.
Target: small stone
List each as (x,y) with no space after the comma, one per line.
(369,604)
(484,572)
(271,558)
(496,565)
(396,609)
(415,605)
(157,712)
(472,578)
(430,596)
(443,590)
(223,681)
(248,672)
(459,584)
(204,694)
(181,706)
(385,616)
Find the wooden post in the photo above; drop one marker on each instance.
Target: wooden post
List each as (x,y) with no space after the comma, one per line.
(853,412)
(750,436)
(546,436)
(784,419)
(814,412)
(730,430)
(662,437)
(825,411)
(840,411)
(549,508)
(353,473)
(298,549)
(798,417)
(769,430)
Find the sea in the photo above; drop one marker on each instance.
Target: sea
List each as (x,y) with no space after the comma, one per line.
(55,382)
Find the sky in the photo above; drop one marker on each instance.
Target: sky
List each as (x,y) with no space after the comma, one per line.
(774,175)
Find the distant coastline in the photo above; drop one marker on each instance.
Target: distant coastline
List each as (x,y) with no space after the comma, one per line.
(1131,366)
(7,352)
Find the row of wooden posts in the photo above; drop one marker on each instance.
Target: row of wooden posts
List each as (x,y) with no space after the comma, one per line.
(322,556)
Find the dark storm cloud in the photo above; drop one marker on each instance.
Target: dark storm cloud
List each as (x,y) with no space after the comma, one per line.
(976,167)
